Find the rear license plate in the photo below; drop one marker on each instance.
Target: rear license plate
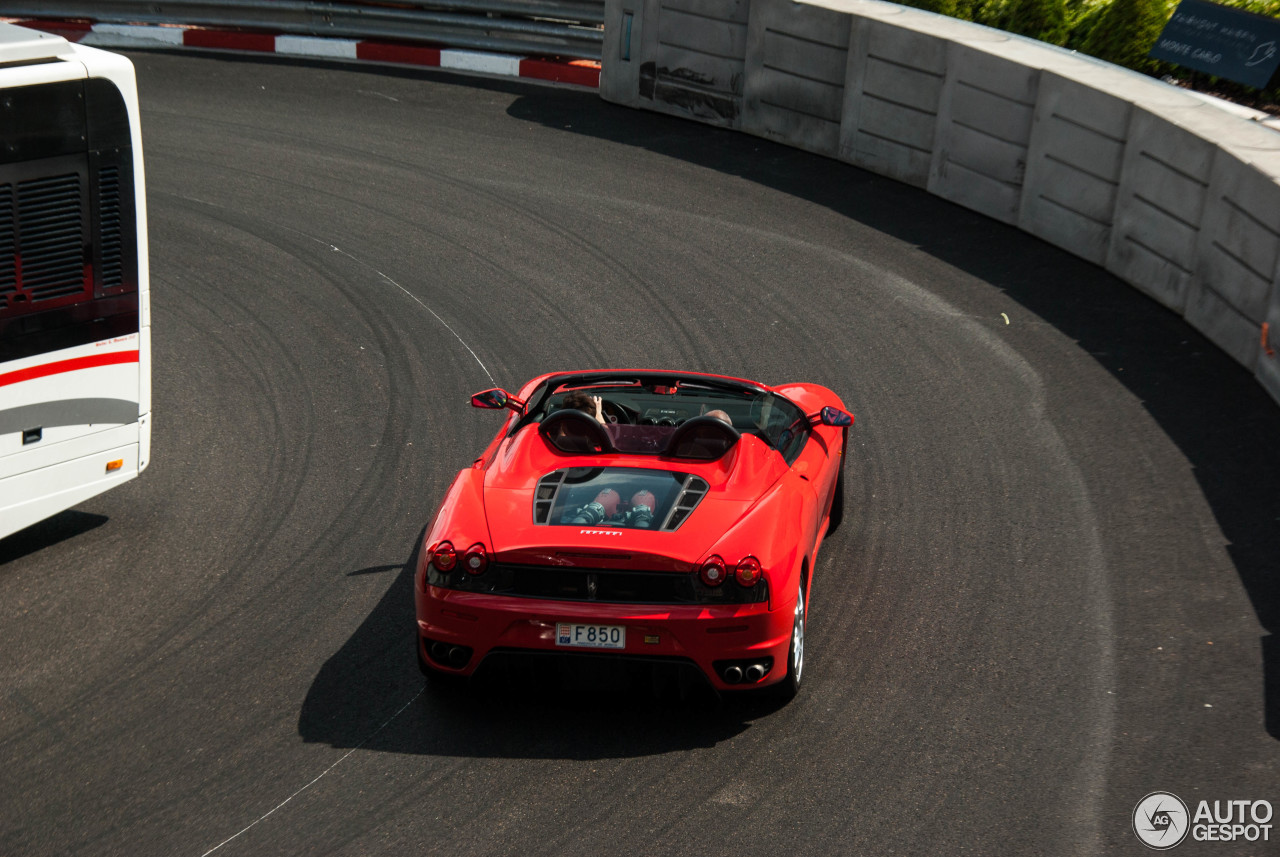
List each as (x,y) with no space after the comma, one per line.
(591,636)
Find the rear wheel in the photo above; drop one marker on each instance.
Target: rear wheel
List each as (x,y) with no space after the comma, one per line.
(423,666)
(790,685)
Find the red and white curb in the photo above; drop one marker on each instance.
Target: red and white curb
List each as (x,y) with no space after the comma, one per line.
(577,72)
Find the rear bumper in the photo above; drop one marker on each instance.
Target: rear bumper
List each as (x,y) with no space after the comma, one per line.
(702,635)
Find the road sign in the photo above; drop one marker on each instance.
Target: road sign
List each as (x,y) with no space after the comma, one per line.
(1228,43)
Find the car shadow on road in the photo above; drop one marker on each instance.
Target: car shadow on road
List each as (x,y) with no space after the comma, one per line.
(1211,407)
(370,694)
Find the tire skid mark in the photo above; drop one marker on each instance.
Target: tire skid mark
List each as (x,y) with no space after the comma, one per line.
(553,308)
(280,489)
(666,299)
(359,506)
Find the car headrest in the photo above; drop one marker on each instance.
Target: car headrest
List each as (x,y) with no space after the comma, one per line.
(704,438)
(573,432)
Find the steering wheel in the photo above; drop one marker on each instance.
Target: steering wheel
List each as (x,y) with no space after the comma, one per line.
(615,413)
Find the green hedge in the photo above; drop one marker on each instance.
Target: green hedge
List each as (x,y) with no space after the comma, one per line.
(1118,31)
(1122,31)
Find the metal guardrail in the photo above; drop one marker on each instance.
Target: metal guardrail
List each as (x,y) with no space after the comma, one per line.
(565,28)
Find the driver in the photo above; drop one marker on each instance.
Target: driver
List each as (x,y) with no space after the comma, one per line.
(588,404)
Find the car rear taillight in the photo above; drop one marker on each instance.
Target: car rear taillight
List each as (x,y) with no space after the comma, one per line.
(444,557)
(713,571)
(747,572)
(474,560)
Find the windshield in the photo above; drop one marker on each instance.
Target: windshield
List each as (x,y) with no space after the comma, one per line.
(641,413)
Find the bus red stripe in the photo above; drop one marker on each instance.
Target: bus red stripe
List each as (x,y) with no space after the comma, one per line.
(111,358)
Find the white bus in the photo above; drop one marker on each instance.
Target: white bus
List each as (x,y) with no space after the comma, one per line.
(75,345)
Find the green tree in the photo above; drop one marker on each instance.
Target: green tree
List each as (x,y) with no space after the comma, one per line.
(1270,8)
(1123,31)
(1046,20)
(942,7)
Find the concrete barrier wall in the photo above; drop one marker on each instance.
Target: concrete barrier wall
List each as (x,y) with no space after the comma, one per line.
(687,57)
(1078,146)
(1178,196)
(892,92)
(796,61)
(1236,284)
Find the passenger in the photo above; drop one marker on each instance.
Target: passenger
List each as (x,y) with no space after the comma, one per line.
(720,415)
(588,404)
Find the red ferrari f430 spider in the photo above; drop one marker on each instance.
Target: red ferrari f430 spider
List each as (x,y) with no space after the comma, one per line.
(672,518)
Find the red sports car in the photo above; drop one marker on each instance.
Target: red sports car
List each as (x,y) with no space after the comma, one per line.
(640,516)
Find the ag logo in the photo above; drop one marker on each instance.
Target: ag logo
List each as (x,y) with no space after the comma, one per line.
(1161,821)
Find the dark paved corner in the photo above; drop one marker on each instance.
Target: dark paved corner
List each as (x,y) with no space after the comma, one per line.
(1053,591)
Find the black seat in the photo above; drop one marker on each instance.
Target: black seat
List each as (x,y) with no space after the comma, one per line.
(573,432)
(702,438)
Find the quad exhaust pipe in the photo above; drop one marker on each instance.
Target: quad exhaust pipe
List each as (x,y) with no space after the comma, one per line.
(755,672)
(733,674)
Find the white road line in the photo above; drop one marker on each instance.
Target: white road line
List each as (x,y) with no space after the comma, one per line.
(416,299)
(322,773)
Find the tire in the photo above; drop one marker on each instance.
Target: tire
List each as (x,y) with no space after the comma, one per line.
(423,666)
(790,685)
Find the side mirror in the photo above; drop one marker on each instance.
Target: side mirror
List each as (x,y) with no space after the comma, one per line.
(495,400)
(490,400)
(835,417)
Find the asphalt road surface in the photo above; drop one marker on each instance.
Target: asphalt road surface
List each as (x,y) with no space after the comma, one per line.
(1053,593)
